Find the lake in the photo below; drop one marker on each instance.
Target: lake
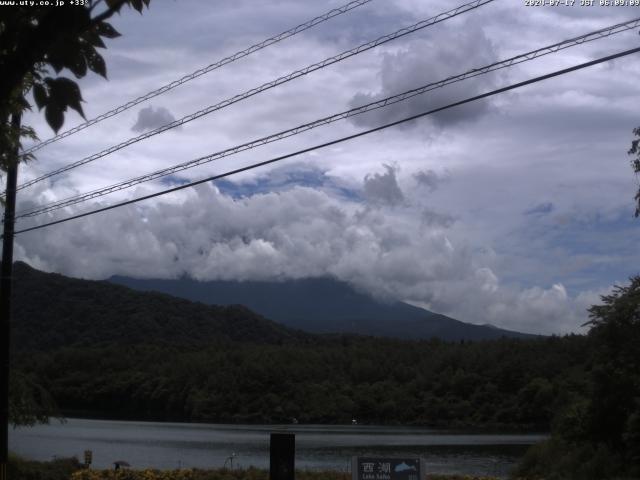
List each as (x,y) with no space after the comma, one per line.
(184,445)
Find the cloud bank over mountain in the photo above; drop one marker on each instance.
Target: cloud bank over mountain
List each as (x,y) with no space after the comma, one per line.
(379,245)
(516,211)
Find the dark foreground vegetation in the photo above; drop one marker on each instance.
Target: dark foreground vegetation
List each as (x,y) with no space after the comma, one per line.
(107,351)
(58,469)
(596,434)
(71,469)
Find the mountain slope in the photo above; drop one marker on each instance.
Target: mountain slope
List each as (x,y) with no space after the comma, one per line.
(108,351)
(323,305)
(52,311)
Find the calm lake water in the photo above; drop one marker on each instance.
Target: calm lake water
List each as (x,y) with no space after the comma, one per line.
(184,445)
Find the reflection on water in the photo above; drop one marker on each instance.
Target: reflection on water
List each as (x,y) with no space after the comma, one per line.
(183,445)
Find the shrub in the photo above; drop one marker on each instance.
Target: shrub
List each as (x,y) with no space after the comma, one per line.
(58,469)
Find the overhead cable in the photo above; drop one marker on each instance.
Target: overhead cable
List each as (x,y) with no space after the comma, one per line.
(209,68)
(602,33)
(337,141)
(266,86)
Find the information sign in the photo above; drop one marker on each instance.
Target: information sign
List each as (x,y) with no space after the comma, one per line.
(387,468)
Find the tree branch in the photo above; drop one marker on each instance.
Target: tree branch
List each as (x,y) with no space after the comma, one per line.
(108,13)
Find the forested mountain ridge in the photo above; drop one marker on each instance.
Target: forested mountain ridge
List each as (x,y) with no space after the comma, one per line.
(104,350)
(52,311)
(323,305)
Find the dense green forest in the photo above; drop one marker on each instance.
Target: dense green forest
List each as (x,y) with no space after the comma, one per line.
(505,383)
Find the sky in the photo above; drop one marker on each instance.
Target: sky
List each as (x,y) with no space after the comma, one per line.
(515,211)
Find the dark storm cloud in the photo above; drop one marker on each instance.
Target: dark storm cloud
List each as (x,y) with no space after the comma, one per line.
(382,188)
(450,52)
(432,218)
(429,179)
(150,118)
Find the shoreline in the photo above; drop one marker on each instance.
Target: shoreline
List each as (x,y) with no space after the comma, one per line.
(72,469)
(496,429)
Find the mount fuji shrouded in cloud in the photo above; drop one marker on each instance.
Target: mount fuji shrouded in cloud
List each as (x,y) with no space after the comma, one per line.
(322,305)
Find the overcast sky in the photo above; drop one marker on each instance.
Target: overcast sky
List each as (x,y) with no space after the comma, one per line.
(515,211)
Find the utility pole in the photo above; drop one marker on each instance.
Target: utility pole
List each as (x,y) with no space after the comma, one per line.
(282,461)
(5,296)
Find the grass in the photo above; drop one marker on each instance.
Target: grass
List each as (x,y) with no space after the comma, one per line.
(58,469)
(72,469)
(225,474)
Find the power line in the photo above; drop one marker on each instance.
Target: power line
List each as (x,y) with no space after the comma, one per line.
(266,86)
(209,68)
(602,33)
(339,140)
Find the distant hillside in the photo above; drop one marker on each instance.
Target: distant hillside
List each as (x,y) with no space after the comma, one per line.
(323,305)
(52,311)
(104,350)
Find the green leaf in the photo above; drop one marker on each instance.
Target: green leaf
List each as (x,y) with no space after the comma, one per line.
(137,5)
(96,63)
(40,95)
(93,38)
(65,93)
(77,64)
(54,114)
(22,102)
(67,54)
(117,4)
(54,59)
(106,30)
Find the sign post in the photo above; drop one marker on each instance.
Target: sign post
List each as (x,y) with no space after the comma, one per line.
(282,458)
(387,468)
